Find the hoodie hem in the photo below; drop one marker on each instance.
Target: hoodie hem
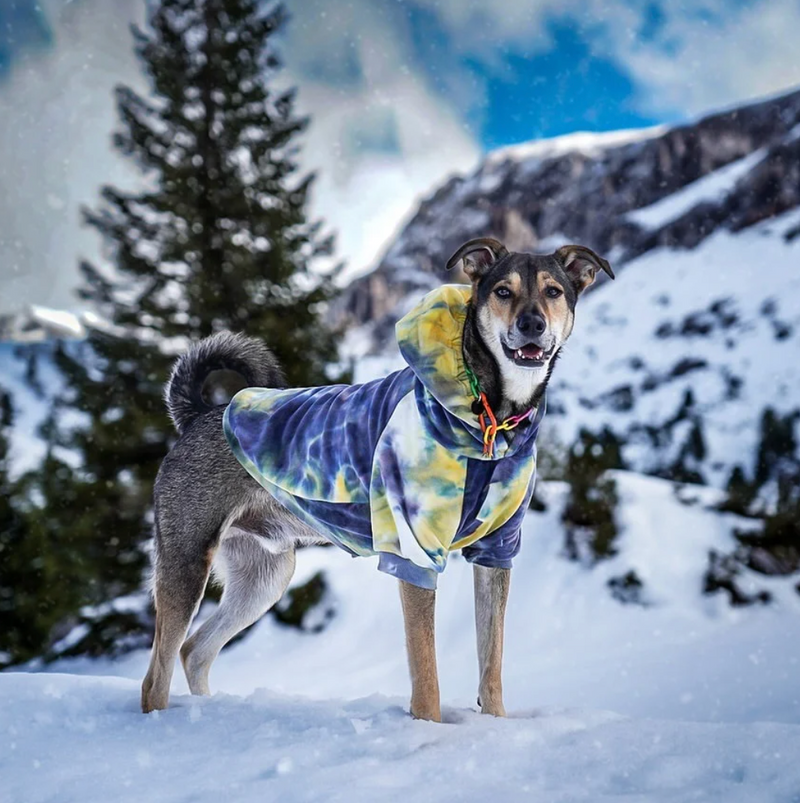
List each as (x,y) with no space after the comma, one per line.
(403,569)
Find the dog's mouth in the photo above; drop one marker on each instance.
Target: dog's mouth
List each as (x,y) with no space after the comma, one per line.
(528,356)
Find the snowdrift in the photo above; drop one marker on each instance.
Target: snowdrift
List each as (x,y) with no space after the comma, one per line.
(683,699)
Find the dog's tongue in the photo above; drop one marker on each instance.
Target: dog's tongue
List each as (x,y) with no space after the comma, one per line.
(530,352)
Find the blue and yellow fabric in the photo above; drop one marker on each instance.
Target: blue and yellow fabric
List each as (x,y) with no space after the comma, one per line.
(395,467)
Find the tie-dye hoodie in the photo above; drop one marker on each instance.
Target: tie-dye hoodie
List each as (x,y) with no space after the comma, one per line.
(394,467)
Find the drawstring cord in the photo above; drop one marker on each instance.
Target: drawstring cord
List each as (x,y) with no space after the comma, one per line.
(483,410)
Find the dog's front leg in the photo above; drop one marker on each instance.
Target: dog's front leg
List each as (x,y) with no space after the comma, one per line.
(419,605)
(491,595)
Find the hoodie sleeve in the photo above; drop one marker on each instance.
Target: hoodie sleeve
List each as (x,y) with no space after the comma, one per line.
(497,549)
(415,497)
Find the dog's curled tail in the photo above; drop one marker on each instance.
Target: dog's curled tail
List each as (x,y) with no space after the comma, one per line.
(224,351)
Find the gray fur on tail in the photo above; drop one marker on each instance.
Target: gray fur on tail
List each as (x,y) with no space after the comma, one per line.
(223,351)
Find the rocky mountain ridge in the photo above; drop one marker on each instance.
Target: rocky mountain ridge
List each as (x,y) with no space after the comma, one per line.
(623,194)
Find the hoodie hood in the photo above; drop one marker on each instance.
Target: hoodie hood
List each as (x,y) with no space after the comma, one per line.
(430,337)
(430,340)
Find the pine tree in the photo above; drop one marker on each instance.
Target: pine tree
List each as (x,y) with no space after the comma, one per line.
(39,570)
(772,495)
(12,533)
(221,240)
(777,447)
(740,493)
(217,239)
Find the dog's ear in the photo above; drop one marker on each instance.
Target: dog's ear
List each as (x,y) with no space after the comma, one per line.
(477,256)
(581,265)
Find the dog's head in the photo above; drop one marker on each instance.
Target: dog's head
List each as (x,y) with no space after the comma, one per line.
(525,303)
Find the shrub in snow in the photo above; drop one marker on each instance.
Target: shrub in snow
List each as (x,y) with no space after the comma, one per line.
(772,494)
(590,528)
(307,607)
(722,574)
(627,588)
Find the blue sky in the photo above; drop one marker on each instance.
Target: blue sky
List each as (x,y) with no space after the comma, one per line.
(563,86)
(402,93)
(23,26)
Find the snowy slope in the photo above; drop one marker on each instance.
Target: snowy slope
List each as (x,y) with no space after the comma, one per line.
(677,699)
(702,225)
(721,321)
(30,405)
(684,699)
(589,143)
(712,187)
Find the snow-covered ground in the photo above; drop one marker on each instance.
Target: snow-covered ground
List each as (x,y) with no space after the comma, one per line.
(90,744)
(681,698)
(684,699)
(719,321)
(589,143)
(30,407)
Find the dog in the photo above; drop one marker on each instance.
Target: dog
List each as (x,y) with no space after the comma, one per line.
(437,457)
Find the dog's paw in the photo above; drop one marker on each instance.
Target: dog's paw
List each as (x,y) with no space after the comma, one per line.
(493,707)
(430,713)
(152,702)
(154,696)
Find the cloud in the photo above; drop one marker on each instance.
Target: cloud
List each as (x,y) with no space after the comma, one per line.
(381,135)
(58,113)
(360,76)
(365,195)
(685,58)
(718,56)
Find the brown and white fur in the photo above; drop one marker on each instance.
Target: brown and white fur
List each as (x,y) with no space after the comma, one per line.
(210,514)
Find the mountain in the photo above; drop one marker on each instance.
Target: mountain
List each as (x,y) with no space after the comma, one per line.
(621,193)
(698,337)
(685,367)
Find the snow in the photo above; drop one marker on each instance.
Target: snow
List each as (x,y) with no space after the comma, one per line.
(27,447)
(589,143)
(681,698)
(60,322)
(273,747)
(712,187)
(684,699)
(32,405)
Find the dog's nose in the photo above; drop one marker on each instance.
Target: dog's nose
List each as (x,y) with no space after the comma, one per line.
(531,323)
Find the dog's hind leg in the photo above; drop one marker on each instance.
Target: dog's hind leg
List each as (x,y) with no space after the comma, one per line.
(180,581)
(254,580)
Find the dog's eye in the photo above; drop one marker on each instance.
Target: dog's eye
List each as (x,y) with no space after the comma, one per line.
(502,292)
(553,291)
